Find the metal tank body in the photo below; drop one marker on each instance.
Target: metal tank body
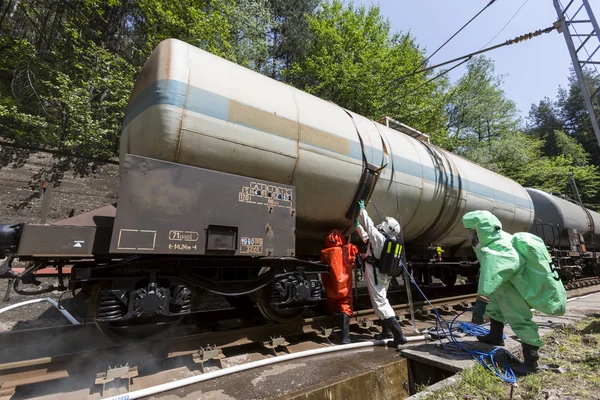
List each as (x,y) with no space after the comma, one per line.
(191,107)
(563,215)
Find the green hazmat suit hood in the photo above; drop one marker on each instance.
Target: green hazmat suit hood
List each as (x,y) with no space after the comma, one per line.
(488,227)
(497,258)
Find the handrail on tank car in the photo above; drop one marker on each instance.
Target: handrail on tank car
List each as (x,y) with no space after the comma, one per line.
(537,222)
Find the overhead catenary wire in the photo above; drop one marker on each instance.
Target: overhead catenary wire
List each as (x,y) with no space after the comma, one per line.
(423,84)
(467,57)
(518,39)
(449,39)
(505,25)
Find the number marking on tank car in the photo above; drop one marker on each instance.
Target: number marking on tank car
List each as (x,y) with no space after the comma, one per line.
(182,246)
(269,195)
(185,236)
(251,245)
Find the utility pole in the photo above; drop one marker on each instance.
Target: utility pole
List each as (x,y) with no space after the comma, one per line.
(587,53)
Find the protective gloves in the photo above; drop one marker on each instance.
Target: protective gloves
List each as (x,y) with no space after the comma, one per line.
(478,312)
(361,204)
(356,222)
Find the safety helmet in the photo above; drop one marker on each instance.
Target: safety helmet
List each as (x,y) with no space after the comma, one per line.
(334,238)
(389,227)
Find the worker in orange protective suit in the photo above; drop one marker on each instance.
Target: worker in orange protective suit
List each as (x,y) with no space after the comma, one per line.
(338,283)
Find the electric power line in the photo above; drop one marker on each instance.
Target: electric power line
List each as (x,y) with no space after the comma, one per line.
(423,84)
(467,57)
(518,39)
(457,32)
(447,41)
(505,25)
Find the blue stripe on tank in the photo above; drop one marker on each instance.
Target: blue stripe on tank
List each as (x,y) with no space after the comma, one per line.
(179,94)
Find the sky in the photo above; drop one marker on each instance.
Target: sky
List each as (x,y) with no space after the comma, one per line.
(534,69)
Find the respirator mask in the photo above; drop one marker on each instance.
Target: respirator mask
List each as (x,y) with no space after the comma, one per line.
(474,238)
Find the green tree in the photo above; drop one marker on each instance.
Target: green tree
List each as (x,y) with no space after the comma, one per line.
(251,22)
(543,118)
(351,60)
(68,66)
(477,105)
(520,157)
(201,23)
(574,115)
(290,33)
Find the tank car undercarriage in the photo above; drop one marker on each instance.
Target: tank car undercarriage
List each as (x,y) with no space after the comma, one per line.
(137,299)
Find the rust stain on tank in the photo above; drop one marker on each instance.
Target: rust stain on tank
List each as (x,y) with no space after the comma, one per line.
(269,232)
(152,69)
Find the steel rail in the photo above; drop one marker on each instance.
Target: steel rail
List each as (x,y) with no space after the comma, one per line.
(31,369)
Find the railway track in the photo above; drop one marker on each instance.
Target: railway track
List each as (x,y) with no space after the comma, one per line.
(34,357)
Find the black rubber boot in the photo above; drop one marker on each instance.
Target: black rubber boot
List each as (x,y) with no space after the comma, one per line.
(530,363)
(495,335)
(386,331)
(399,338)
(345,329)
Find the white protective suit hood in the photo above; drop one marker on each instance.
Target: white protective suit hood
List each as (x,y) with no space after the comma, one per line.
(389,227)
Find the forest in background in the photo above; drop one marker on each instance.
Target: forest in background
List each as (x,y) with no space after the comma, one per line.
(67,68)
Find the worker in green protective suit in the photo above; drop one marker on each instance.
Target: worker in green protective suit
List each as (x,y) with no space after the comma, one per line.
(515,276)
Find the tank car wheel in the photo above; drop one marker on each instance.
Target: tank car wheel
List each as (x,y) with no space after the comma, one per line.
(129,330)
(274,313)
(448,278)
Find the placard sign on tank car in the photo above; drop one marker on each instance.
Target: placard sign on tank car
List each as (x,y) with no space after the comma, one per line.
(169,208)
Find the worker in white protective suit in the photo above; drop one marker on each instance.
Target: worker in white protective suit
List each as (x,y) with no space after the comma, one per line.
(378,283)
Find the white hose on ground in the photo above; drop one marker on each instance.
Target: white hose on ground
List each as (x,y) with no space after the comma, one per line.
(243,367)
(46,300)
(579,297)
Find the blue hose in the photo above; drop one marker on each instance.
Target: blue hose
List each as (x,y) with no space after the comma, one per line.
(495,361)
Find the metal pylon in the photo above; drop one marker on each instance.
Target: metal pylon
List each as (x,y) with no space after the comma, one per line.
(577,21)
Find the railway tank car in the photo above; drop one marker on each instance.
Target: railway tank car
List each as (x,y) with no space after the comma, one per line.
(194,108)
(571,232)
(228,181)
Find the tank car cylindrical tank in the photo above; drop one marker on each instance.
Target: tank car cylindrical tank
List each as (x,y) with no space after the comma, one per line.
(557,217)
(191,107)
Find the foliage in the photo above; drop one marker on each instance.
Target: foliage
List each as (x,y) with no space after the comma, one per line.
(351,60)
(574,115)
(251,22)
(68,67)
(290,33)
(477,105)
(520,157)
(565,128)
